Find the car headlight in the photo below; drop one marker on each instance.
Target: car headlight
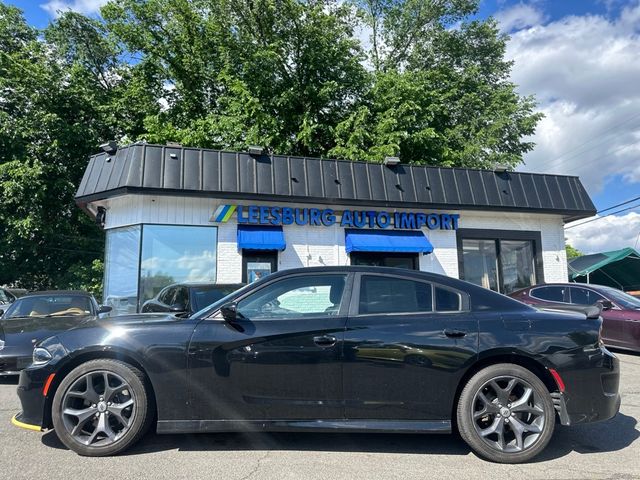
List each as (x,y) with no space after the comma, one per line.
(41,356)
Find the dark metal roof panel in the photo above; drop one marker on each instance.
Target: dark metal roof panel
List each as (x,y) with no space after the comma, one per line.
(192,171)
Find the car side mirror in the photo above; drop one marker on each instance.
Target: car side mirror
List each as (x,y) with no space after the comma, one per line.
(104,309)
(606,304)
(178,308)
(229,312)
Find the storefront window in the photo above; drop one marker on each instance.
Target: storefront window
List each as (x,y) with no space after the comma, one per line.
(172,254)
(481,262)
(499,264)
(517,264)
(122,255)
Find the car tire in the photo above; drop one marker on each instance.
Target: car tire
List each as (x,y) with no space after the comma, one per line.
(97,418)
(505,414)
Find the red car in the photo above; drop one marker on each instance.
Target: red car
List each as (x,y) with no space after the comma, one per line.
(620,311)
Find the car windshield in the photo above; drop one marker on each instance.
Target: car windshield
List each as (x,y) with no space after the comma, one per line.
(624,300)
(50,306)
(205,296)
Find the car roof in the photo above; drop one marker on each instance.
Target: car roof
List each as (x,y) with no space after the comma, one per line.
(434,277)
(202,284)
(568,284)
(50,293)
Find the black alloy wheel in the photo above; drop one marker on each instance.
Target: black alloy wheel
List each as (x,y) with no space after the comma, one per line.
(506,414)
(101,408)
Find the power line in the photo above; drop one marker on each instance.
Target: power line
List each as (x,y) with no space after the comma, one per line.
(619,204)
(621,147)
(604,216)
(633,117)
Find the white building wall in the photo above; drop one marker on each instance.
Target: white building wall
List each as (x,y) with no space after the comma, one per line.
(317,246)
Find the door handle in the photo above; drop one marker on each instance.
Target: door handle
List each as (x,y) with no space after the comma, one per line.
(325,341)
(454,333)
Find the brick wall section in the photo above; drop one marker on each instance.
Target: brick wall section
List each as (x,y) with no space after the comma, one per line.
(316,246)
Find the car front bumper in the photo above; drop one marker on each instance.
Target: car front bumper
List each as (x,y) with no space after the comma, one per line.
(591,388)
(31,394)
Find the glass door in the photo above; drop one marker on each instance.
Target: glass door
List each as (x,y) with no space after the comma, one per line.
(258,264)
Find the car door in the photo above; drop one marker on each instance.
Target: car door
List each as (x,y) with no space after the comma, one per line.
(407,343)
(281,359)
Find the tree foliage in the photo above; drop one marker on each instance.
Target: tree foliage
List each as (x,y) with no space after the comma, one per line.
(359,79)
(572,252)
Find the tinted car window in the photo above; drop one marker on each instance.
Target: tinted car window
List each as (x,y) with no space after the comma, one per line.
(4,298)
(206,296)
(447,300)
(303,296)
(551,294)
(393,295)
(584,296)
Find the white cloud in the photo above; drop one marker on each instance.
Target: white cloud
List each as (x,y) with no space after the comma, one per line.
(88,7)
(609,233)
(585,72)
(519,16)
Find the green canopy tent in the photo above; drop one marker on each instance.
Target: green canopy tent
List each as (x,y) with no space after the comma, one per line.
(618,269)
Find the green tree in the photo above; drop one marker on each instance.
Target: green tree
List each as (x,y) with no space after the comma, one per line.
(60,96)
(441,92)
(572,252)
(429,85)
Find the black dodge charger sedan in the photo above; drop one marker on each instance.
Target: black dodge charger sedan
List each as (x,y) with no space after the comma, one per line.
(357,349)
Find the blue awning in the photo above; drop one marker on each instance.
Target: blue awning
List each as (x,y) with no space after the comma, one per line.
(407,241)
(258,237)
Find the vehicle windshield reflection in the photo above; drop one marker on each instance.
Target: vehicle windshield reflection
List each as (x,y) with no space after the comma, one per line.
(209,309)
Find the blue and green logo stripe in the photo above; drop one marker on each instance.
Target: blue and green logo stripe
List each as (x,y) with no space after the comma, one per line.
(223,213)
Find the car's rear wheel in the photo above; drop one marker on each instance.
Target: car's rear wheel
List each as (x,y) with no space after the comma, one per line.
(101,408)
(505,414)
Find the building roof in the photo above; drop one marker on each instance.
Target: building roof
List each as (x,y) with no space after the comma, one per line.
(618,269)
(170,170)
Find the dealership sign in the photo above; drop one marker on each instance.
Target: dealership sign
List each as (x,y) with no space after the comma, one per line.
(327,217)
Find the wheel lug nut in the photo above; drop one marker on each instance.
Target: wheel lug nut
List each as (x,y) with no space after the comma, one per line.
(93,405)
(506,420)
(509,406)
(97,415)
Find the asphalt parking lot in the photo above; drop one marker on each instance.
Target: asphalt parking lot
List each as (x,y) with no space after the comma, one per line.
(609,450)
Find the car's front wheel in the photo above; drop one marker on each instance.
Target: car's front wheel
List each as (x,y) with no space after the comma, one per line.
(506,414)
(101,408)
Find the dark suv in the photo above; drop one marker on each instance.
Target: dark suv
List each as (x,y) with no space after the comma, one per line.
(620,311)
(184,299)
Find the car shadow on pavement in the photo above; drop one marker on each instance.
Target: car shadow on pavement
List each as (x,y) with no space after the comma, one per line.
(9,380)
(613,435)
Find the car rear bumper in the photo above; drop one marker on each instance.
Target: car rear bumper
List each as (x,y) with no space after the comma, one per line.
(591,393)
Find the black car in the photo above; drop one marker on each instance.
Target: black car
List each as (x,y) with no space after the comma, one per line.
(350,349)
(35,317)
(184,299)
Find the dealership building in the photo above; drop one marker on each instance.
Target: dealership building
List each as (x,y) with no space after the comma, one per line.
(173,214)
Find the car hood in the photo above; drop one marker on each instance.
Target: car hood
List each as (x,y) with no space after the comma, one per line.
(23,332)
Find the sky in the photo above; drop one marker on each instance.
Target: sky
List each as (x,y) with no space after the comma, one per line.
(581,59)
